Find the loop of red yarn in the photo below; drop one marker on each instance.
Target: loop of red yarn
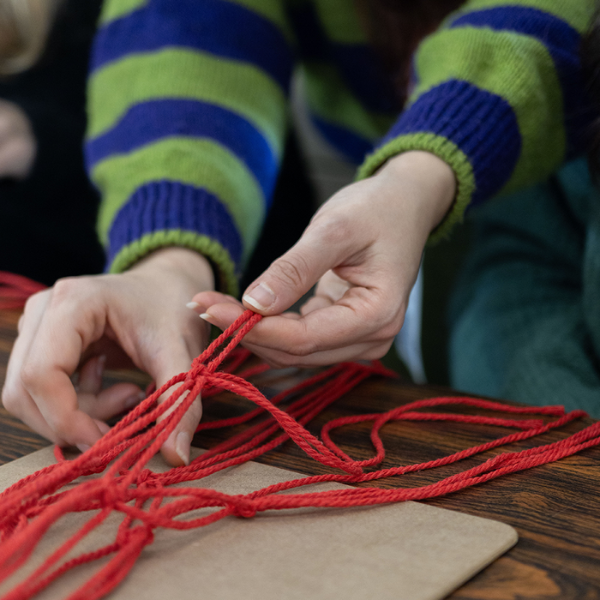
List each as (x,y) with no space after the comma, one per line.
(149,501)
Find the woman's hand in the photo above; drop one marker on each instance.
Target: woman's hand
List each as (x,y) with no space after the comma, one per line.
(81,323)
(17,143)
(364,248)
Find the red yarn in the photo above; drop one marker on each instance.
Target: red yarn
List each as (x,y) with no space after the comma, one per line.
(15,289)
(31,506)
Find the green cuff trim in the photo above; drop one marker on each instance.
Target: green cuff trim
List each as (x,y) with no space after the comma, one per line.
(227,280)
(116,9)
(577,13)
(442,148)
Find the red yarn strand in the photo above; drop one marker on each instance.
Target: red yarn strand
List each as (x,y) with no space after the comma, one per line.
(148,501)
(15,289)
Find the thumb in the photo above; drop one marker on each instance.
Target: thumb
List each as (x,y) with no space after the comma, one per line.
(176,449)
(292,275)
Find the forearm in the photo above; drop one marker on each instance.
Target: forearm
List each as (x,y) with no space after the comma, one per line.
(499,97)
(186,128)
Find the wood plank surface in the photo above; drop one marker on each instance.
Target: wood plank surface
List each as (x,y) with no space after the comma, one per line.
(555,508)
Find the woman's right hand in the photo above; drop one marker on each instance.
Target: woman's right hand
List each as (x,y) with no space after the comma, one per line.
(135,317)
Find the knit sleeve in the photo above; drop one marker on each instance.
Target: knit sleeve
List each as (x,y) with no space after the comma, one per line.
(499,96)
(187,115)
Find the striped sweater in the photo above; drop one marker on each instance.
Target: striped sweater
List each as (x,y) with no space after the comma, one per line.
(188,109)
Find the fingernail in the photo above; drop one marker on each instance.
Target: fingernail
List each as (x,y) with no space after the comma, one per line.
(103,427)
(192,305)
(206,317)
(182,446)
(83,447)
(261,297)
(100,365)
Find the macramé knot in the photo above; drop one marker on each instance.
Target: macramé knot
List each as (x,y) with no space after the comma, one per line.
(243,509)
(145,476)
(198,369)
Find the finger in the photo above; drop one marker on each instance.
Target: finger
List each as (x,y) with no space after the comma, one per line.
(354,352)
(330,289)
(15,397)
(276,348)
(356,318)
(112,401)
(225,314)
(294,274)
(222,315)
(58,404)
(315,303)
(90,376)
(65,329)
(200,302)
(116,357)
(176,449)
(27,411)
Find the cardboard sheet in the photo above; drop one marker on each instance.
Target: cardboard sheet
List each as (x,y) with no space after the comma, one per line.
(406,551)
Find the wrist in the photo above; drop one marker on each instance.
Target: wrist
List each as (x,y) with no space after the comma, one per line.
(431,178)
(183,261)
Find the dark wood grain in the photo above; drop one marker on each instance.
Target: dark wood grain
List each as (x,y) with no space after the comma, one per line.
(555,508)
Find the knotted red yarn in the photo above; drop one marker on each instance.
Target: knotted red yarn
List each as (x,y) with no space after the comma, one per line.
(148,501)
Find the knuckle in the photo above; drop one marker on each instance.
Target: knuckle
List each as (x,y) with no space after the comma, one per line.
(388,330)
(71,294)
(29,375)
(66,289)
(294,272)
(335,229)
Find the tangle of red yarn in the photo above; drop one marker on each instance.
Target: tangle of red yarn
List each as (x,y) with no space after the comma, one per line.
(149,501)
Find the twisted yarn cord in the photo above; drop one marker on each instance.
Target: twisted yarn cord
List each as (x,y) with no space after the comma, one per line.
(148,501)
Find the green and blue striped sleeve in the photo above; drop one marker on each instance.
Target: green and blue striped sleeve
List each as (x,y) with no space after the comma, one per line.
(500,96)
(349,94)
(187,106)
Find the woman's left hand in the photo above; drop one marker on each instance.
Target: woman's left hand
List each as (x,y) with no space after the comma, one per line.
(364,248)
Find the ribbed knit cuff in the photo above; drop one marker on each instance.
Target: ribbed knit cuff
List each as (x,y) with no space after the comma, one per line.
(472,130)
(166,213)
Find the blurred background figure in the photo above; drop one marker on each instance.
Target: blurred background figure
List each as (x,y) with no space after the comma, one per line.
(47,205)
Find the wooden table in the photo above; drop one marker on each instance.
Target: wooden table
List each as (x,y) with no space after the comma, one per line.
(555,508)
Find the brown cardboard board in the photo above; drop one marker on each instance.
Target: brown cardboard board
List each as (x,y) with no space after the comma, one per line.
(405,551)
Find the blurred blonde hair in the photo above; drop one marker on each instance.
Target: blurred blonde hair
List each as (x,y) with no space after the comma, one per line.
(24,29)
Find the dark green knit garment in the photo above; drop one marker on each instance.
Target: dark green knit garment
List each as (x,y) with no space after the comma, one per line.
(525,316)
